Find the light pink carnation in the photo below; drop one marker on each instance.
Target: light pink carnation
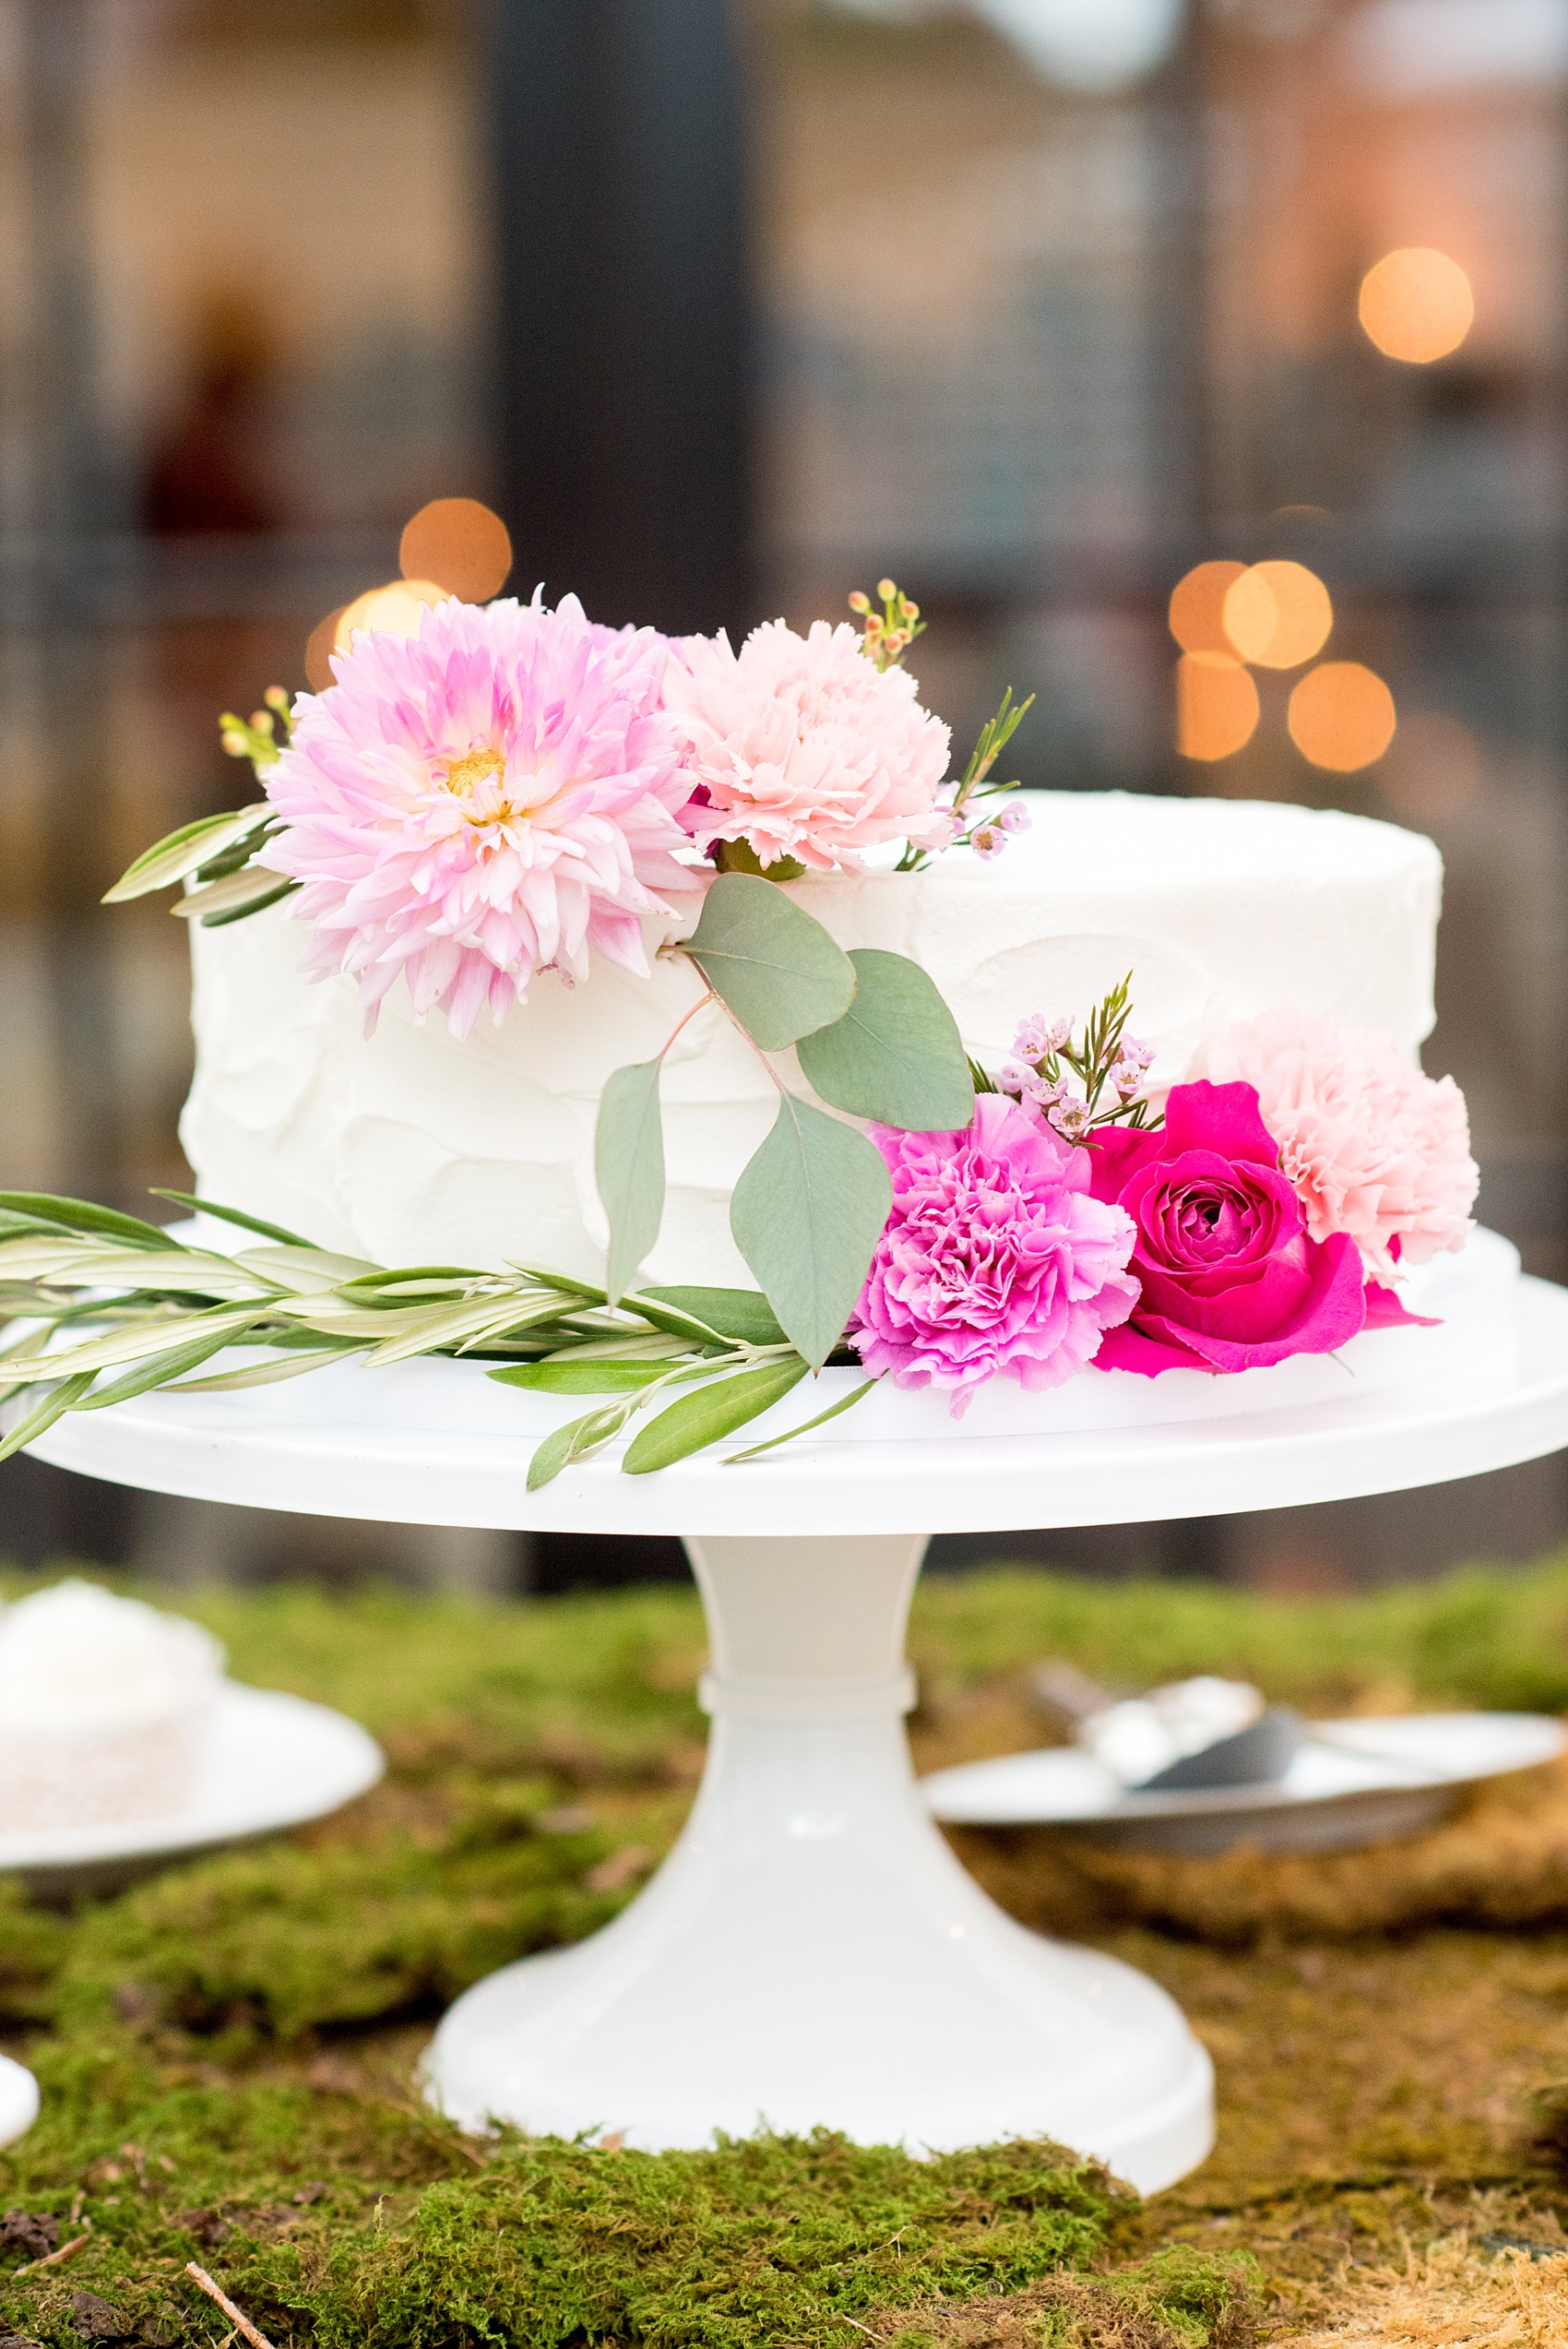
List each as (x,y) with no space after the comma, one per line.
(1373,1147)
(802,747)
(492,797)
(995,1259)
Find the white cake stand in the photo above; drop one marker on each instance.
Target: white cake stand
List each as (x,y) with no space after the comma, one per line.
(811,1953)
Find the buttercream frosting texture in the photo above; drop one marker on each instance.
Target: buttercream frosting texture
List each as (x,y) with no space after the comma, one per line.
(414,1147)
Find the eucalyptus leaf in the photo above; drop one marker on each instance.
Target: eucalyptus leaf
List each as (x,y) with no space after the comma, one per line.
(577,1441)
(895,1055)
(232,1215)
(628,1164)
(182,852)
(777,969)
(53,1406)
(806,1213)
(81,1215)
(744,1314)
(845,1403)
(717,1409)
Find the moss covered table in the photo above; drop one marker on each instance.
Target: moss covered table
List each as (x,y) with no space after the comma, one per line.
(228,2052)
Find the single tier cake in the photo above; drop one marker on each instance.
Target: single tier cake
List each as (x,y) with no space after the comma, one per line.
(104,1704)
(414,1147)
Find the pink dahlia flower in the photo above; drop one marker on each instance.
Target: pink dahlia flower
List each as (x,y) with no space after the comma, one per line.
(995,1259)
(1373,1147)
(495,796)
(802,747)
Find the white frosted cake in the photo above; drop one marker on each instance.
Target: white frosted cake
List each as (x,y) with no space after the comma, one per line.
(104,1704)
(414,1147)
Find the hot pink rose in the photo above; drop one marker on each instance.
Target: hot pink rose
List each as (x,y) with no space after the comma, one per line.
(1230,1277)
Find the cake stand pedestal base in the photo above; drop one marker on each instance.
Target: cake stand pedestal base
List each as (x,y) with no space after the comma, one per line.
(811,1953)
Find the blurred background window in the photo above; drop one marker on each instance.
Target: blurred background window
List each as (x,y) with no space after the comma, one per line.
(1197,363)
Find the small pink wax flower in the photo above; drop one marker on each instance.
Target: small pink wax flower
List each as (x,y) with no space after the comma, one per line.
(995,1258)
(1373,1147)
(495,796)
(802,747)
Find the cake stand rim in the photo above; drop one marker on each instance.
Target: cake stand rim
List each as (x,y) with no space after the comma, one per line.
(1428,1433)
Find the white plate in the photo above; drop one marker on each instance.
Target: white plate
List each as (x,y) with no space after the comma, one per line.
(1351,1783)
(272,1760)
(19,2100)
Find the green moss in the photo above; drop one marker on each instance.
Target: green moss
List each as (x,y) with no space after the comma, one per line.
(226,2050)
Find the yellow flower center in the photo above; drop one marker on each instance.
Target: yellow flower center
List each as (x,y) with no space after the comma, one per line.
(465,774)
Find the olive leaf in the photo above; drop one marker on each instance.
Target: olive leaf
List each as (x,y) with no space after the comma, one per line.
(777,969)
(628,1164)
(895,1055)
(771,1443)
(715,1410)
(744,1314)
(185,851)
(577,1441)
(561,1375)
(244,893)
(806,1213)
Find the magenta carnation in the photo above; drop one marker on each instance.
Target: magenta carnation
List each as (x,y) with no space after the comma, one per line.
(802,747)
(495,796)
(1373,1147)
(995,1259)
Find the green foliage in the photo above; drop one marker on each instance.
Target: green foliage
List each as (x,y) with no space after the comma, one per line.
(806,1213)
(895,1055)
(628,1159)
(717,1409)
(777,969)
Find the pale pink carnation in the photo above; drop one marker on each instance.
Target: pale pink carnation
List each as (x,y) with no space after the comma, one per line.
(1373,1147)
(802,747)
(495,796)
(994,1260)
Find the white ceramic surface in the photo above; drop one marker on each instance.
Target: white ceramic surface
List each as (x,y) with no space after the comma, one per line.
(1351,1783)
(19,2100)
(438,1443)
(272,1760)
(812,1953)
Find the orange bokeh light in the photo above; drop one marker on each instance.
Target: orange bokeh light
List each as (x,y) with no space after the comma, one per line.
(1277,614)
(1416,304)
(1341,716)
(395,610)
(1216,705)
(320,645)
(461,542)
(1198,607)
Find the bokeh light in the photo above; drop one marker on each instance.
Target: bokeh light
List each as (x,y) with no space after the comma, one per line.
(320,645)
(1434,769)
(1216,705)
(461,542)
(1198,607)
(395,610)
(1277,614)
(1341,716)
(1416,304)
